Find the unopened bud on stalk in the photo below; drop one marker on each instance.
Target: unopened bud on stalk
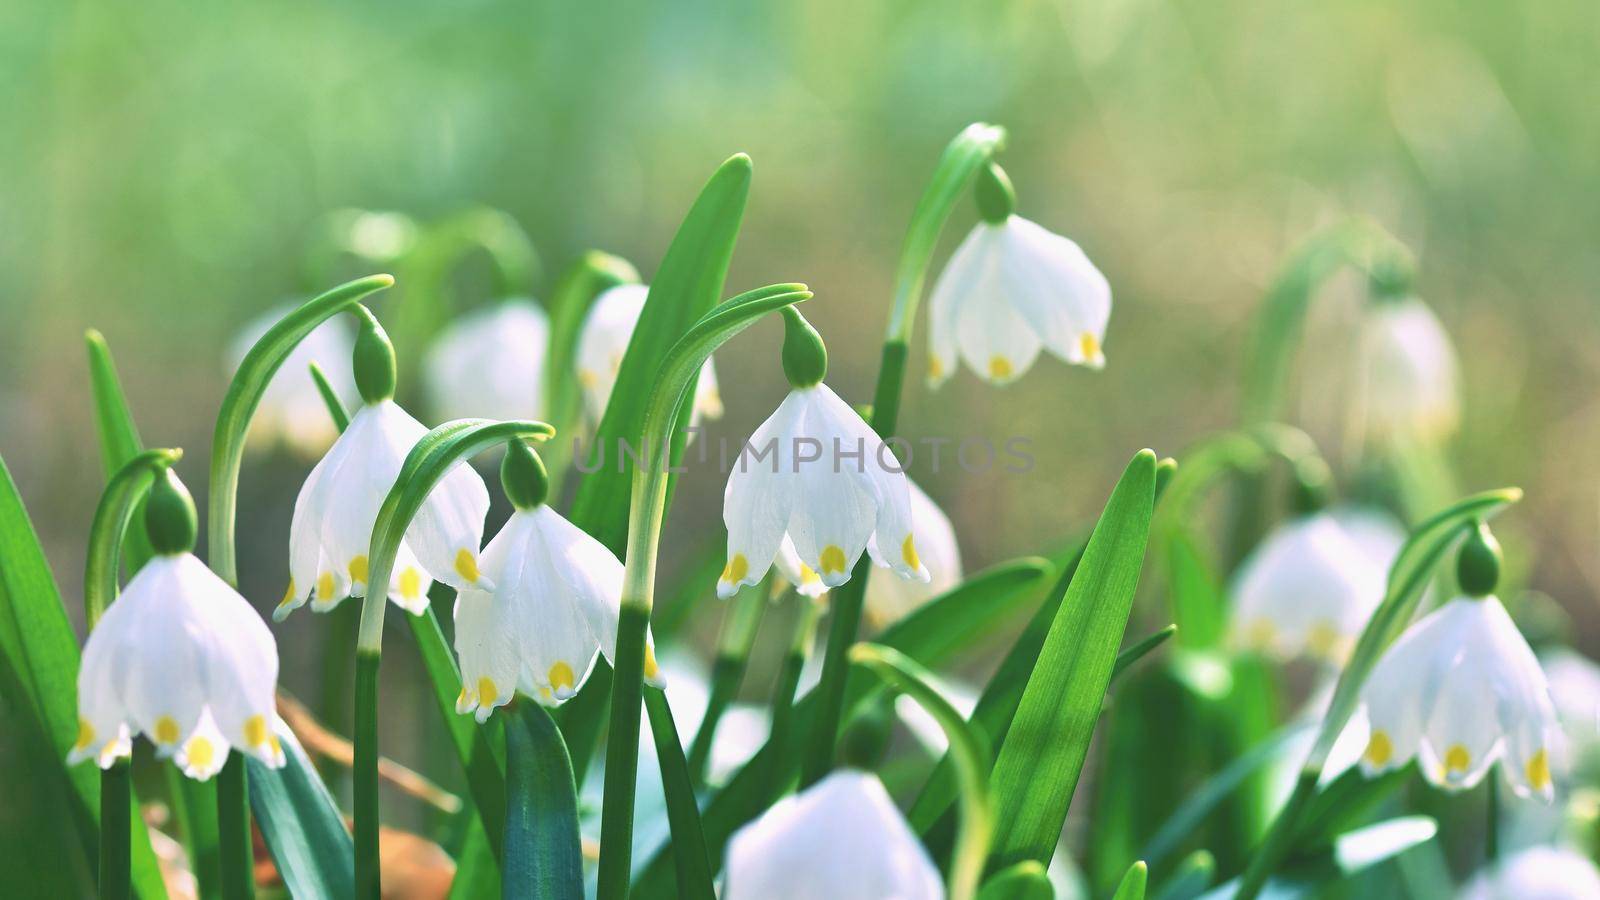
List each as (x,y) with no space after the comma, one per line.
(373,359)
(169,516)
(805,357)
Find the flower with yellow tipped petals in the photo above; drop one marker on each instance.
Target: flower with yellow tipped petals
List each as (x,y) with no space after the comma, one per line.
(890,599)
(1011,289)
(1460,690)
(842,838)
(603,342)
(490,364)
(1406,376)
(185,660)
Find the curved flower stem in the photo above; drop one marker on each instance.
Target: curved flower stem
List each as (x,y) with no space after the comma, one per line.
(646,506)
(965,155)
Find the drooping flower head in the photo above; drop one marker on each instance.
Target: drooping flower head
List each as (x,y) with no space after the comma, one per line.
(337,507)
(1406,377)
(1461,690)
(842,838)
(1011,289)
(603,342)
(890,599)
(1537,873)
(490,364)
(291,411)
(179,657)
(818,477)
(553,608)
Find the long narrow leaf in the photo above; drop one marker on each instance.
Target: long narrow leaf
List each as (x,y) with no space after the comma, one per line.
(312,849)
(543,855)
(683,812)
(119,436)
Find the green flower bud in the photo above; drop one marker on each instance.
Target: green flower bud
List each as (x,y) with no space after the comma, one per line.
(523,476)
(866,736)
(169,516)
(373,359)
(997,199)
(805,357)
(1313,483)
(1390,278)
(1478,564)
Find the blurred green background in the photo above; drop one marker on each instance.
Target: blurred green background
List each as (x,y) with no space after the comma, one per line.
(165,167)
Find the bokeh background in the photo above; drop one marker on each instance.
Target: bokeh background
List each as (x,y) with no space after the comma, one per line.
(166,166)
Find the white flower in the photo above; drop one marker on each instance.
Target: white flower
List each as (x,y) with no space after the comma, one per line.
(490,364)
(603,342)
(1379,535)
(842,839)
(291,410)
(889,599)
(1459,690)
(338,506)
(1575,691)
(556,597)
(1537,873)
(1406,378)
(805,580)
(816,474)
(1010,289)
(1308,589)
(182,658)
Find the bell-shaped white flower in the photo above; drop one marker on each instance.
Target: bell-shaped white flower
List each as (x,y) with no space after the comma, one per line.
(842,838)
(1308,589)
(1406,376)
(291,411)
(338,505)
(804,579)
(554,606)
(818,476)
(890,599)
(1459,690)
(1012,288)
(1537,873)
(603,342)
(179,657)
(490,364)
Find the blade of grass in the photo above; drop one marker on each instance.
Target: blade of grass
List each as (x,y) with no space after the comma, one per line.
(543,856)
(683,811)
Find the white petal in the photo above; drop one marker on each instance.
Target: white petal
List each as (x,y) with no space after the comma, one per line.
(204,751)
(291,409)
(102,729)
(959,285)
(803,577)
(1537,873)
(552,599)
(486,643)
(1308,589)
(490,364)
(995,340)
(603,342)
(1406,384)
(759,496)
(837,499)
(890,598)
(164,683)
(1053,285)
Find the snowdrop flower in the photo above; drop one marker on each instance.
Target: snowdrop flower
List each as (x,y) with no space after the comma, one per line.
(180,657)
(1010,289)
(842,838)
(554,605)
(1575,691)
(1406,378)
(889,599)
(338,505)
(1307,590)
(1537,873)
(603,341)
(816,475)
(490,364)
(291,410)
(1461,689)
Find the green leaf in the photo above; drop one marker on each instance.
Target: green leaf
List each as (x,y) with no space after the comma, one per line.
(967,747)
(330,399)
(1039,763)
(1144,647)
(1133,883)
(301,824)
(1351,854)
(695,878)
(119,436)
(40,655)
(477,871)
(1345,804)
(1024,881)
(1191,878)
(932,635)
(686,286)
(543,855)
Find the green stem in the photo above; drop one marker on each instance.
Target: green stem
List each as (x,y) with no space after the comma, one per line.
(1491,826)
(116,824)
(739,625)
(622,753)
(364,774)
(233,830)
(794,662)
(969,152)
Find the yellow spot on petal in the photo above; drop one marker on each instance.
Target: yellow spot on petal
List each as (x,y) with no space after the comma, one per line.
(288,595)
(651,670)
(736,569)
(1089,345)
(255,731)
(833,561)
(1379,749)
(999,367)
(467,564)
(410,583)
(166,730)
(935,367)
(325,586)
(808,575)
(545,693)
(909,551)
(1538,771)
(85,735)
(588,378)
(1457,760)
(199,752)
(275,744)
(487,693)
(561,676)
(1323,640)
(1260,633)
(358,568)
